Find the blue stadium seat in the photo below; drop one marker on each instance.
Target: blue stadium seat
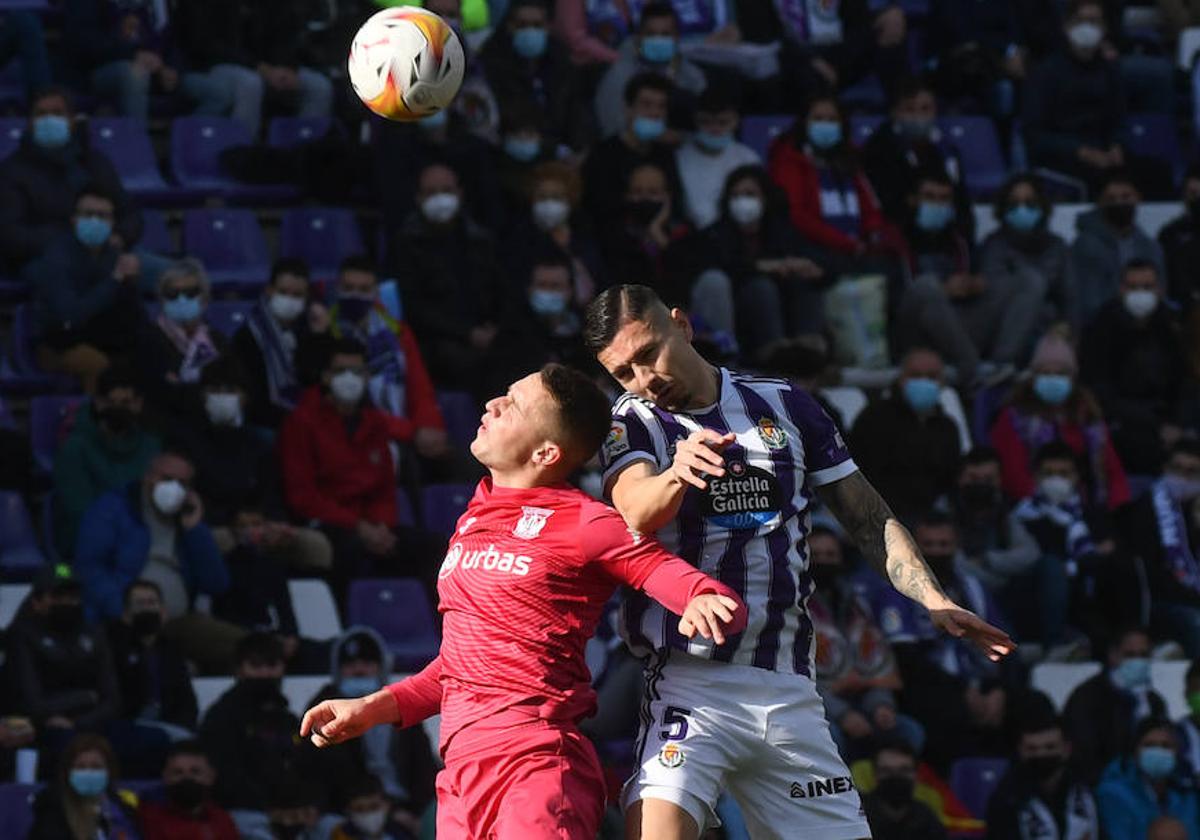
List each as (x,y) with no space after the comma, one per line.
(868,93)
(156,236)
(399,610)
(862,126)
(11,129)
(973,781)
(231,245)
(16,804)
(443,504)
(20,557)
(978,145)
(125,142)
(19,370)
(47,418)
(322,237)
(758,132)
(227,316)
(461,414)
(1156,136)
(196,146)
(285,132)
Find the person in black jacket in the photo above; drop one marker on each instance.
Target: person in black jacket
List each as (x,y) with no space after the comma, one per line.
(890,807)
(1180,241)
(979,55)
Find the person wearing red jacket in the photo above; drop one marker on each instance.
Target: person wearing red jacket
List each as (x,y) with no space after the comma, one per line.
(531,565)
(189,812)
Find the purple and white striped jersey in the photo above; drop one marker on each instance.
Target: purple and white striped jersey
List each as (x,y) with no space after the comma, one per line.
(748,528)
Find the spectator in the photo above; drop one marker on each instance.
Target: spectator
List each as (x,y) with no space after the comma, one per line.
(1040,795)
(639,245)
(1050,405)
(890,807)
(39,183)
(83,803)
(1109,238)
(711,155)
(1189,726)
(277,335)
(1101,713)
(654,49)
(173,350)
(593,32)
(108,447)
(23,40)
(908,145)
(1146,783)
(525,147)
(906,445)
(154,529)
(85,294)
(152,675)
(368,813)
(1180,243)
(978,54)
(454,283)
(1160,529)
(189,812)
(293,813)
(1132,357)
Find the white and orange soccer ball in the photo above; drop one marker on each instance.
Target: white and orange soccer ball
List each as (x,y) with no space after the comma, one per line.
(406,63)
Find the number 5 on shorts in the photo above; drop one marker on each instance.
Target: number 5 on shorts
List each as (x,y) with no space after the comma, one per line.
(675,719)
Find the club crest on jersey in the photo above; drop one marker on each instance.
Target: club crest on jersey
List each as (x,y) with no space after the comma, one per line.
(773,436)
(533,520)
(671,755)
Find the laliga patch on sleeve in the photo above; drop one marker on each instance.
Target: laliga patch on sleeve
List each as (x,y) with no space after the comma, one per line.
(617,442)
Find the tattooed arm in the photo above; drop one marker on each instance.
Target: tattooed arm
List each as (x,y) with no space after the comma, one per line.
(890,549)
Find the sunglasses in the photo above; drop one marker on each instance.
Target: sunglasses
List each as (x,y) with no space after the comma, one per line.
(191,291)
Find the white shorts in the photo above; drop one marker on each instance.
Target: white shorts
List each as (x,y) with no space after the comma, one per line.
(710,726)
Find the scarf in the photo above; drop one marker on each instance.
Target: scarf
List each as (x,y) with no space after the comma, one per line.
(1173,534)
(1077,536)
(386,361)
(811,21)
(1035,432)
(197,350)
(1036,821)
(278,349)
(839,201)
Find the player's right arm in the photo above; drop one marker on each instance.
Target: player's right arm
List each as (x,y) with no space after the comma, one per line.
(405,703)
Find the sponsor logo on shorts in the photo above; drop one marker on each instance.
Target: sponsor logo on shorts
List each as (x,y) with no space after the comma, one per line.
(822,787)
(773,436)
(489,559)
(671,755)
(617,442)
(532,521)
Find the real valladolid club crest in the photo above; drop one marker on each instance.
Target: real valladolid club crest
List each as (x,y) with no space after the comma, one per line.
(671,755)
(773,436)
(533,520)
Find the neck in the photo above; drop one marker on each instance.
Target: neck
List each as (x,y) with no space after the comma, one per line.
(708,388)
(519,478)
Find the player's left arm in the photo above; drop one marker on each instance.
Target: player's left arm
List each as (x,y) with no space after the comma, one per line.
(891,550)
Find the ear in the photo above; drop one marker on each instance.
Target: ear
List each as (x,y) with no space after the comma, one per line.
(680,319)
(547,454)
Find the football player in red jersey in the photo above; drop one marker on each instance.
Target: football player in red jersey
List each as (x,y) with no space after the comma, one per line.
(528,571)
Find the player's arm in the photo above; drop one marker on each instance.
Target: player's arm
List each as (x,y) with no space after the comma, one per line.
(405,703)
(890,549)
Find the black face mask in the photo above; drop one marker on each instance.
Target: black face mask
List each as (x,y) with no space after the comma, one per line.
(643,212)
(1042,767)
(261,687)
(117,420)
(187,794)
(978,497)
(1119,215)
(65,619)
(895,791)
(145,623)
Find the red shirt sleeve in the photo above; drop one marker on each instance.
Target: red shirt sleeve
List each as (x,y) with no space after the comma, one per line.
(419,696)
(1015,475)
(420,395)
(797,177)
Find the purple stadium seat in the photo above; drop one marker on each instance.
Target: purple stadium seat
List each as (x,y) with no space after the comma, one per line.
(16,805)
(973,781)
(978,145)
(399,610)
(758,132)
(1156,136)
(19,371)
(20,556)
(47,418)
(867,93)
(231,245)
(461,414)
(443,504)
(404,509)
(12,82)
(125,141)
(983,412)
(156,236)
(285,132)
(322,237)
(224,316)
(11,129)
(862,126)
(915,8)
(196,146)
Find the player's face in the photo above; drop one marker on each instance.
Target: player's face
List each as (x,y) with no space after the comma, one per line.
(651,359)
(514,426)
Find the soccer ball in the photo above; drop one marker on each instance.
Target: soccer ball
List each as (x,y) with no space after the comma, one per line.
(406,63)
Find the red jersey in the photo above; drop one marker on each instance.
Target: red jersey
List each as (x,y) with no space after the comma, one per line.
(522,588)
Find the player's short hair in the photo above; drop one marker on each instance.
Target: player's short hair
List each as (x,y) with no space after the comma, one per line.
(646,81)
(258,649)
(1055,450)
(189,747)
(141,583)
(615,307)
(584,412)
(289,265)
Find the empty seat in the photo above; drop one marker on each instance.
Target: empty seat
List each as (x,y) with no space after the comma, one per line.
(11,129)
(285,132)
(978,145)
(231,245)
(443,504)
(20,372)
(322,237)
(20,556)
(227,316)
(404,509)
(461,414)
(16,805)
(758,132)
(12,595)
(125,142)
(48,417)
(400,611)
(315,609)
(196,147)
(156,236)
(862,126)
(1156,136)
(973,781)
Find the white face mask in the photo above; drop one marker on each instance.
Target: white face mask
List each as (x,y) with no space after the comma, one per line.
(370,823)
(286,308)
(1140,302)
(1057,489)
(549,213)
(746,209)
(348,386)
(168,496)
(440,208)
(223,409)
(1085,36)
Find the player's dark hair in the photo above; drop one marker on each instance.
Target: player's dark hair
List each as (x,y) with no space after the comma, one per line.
(141,583)
(612,309)
(289,265)
(980,455)
(358,262)
(258,649)
(1055,450)
(646,81)
(117,376)
(583,409)
(658,9)
(190,747)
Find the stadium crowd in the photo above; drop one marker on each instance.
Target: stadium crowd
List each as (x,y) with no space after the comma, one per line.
(220,425)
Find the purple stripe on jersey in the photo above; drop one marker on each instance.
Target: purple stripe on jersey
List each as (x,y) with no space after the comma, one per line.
(732,573)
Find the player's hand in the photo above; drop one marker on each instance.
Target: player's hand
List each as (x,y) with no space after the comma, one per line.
(699,454)
(711,615)
(964,624)
(335,721)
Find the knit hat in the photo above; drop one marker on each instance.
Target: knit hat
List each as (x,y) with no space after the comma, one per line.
(359,647)
(1054,351)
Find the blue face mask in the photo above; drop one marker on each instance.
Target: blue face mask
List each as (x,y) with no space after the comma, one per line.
(51,131)
(1156,762)
(545,302)
(522,149)
(1022,217)
(183,309)
(658,49)
(921,394)
(434,120)
(647,128)
(1132,674)
(358,686)
(93,232)
(90,782)
(713,142)
(530,41)
(1052,388)
(824,134)
(934,217)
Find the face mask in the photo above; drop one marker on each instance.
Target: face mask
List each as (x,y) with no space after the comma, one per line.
(824,575)
(746,209)
(1022,217)
(824,134)
(1052,389)
(545,302)
(354,308)
(118,420)
(1085,36)
(1140,302)
(434,120)
(145,623)
(1119,215)
(658,49)
(90,782)
(440,208)
(1156,762)
(921,394)
(914,129)
(549,213)
(348,387)
(643,212)
(370,823)
(358,686)
(51,131)
(65,619)
(263,687)
(168,496)
(530,41)
(647,129)
(183,309)
(712,142)
(223,409)
(895,791)
(522,149)
(285,308)
(187,794)
(1132,674)
(979,496)
(92,232)
(1193,700)
(1042,767)
(1056,489)
(934,217)
(1181,489)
